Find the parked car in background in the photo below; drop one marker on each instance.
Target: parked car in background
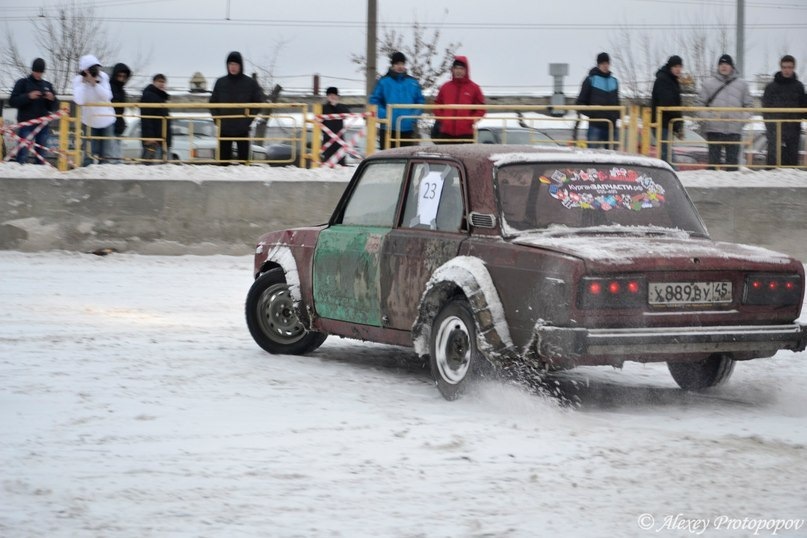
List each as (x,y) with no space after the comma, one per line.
(513,135)
(510,128)
(691,153)
(193,139)
(497,259)
(756,155)
(283,135)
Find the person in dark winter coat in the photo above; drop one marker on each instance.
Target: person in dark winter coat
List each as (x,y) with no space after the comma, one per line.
(724,89)
(786,91)
(33,97)
(333,106)
(667,92)
(396,88)
(235,87)
(460,90)
(155,128)
(600,88)
(120,76)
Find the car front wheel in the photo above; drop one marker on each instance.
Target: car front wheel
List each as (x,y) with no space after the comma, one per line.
(272,318)
(710,372)
(455,360)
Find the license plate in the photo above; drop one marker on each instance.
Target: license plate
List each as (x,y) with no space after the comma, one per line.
(677,293)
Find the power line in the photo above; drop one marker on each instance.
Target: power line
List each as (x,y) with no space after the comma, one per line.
(297,23)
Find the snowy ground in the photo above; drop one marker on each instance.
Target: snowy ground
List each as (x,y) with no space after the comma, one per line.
(134,403)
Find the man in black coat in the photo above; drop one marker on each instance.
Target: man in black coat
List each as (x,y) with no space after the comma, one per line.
(33,97)
(333,106)
(155,129)
(120,76)
(786,91)
(667,92)
(235,87)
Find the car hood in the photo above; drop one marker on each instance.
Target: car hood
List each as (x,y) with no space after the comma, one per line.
(677,250)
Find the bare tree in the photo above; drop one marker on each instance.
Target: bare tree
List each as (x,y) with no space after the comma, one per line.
(640,54)
(637,55)
(426,60)
(62,34)
(266,72)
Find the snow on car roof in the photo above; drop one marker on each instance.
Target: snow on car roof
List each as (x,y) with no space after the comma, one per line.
(502,154)
(563,154)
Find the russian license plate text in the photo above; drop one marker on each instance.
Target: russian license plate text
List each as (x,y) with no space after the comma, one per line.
(672,293)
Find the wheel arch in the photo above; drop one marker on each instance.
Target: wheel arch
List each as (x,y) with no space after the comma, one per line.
(465,276)
(280,256)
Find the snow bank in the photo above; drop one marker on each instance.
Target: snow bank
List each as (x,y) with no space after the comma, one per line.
(187,172)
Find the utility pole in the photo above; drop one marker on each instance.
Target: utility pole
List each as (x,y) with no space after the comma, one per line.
(372,28)
(741,37)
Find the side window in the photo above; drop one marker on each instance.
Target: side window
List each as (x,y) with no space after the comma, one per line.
(375,196)
(486,137)
(434,200)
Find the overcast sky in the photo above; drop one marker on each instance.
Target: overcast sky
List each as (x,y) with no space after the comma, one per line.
(509,42)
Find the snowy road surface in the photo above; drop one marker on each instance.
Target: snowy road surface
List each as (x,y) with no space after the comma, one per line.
(134,403)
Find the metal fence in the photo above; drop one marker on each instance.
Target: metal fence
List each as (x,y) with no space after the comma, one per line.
(297,133)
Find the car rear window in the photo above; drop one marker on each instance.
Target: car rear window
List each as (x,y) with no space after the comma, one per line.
(539,195)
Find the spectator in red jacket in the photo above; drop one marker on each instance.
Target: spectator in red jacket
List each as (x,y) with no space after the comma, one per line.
(460,90)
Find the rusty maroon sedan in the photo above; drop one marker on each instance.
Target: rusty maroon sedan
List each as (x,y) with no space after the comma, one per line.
(503,258)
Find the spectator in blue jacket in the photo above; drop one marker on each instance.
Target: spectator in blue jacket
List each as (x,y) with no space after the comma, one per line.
(396,88)
(33,96)
(600,88)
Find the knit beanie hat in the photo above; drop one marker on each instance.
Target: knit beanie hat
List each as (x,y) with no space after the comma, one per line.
(674,60)
(397,57)
(603,58)
(726,59)
(38,66)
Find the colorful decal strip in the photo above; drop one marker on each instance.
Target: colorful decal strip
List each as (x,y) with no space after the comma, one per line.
(606,189)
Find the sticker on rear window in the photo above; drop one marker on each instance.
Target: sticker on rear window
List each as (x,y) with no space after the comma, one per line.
(603,189)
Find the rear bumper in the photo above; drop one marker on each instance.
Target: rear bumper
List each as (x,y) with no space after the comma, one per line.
(560,342)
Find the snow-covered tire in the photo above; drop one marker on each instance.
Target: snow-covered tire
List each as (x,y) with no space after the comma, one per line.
(456,362)
(272,318)
(710,372)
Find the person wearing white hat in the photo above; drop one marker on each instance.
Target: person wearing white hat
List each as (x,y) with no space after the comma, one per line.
(92,86)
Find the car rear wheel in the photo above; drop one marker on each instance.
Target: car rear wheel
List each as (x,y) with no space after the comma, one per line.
(454,358)
(710,372)
(272,318)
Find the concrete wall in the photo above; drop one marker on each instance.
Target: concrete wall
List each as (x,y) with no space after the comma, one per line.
(772,217)
(156,217)
(226,217)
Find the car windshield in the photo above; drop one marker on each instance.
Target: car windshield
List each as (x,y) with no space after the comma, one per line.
(578,197)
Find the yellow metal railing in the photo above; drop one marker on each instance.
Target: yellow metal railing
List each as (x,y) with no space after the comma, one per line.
(618,137)
(751,124)
(289,133)
(287,129)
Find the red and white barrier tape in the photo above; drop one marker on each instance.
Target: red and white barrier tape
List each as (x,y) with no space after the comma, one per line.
(348,147)
(29,141)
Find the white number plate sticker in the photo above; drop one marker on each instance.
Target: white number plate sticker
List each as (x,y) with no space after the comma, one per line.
(675,293)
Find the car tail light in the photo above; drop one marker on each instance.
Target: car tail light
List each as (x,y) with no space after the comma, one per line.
(614,292)
(772,289)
